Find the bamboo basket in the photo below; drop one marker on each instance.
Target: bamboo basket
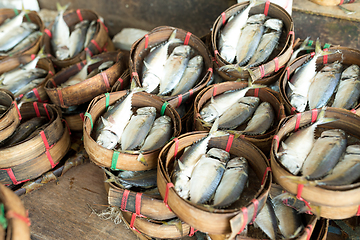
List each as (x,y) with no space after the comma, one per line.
(268,72)
(10,119)
(332,2)
(6,13)
(346,56)
(32,157)
(334,202)
(89,88)
(265,94)
(101,41)
(75,119)
(141,48)
(123,82)
(18,223)
(216,221)
(104,157)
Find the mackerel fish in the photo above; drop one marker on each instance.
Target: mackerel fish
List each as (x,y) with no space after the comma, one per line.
(17,34)
(12,23)
(77,38)
(90,33)
(304,46)
(60,34)
(159,134)
(267,221)
(24,44)
(261,121)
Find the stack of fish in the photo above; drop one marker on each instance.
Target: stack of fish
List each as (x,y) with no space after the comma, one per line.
(67,44)
(173,74)
(16,34)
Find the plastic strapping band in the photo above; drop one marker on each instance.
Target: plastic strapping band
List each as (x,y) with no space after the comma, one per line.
(3,221)
(256,92)
(262,70)
(16,11)
(292,33)
(47,31)
(146,41)
(187,38)
(107,99)
(121,83)
(17,109)
(79,65)
(47,147)
(89,51)
(276,138)
(287,4)
(21,96)
(134,74)
(276,61)
(268,169)
(245,218)
(256,205)
(314,115)
(299,191)
(326,46)
(192,231)
(46,110)
(138,204)
(82,116)
(12,214)
(106,29)
(67,125)
(325,59)
(297,124)
(96,45)
(191,92)
(61,99)
(308,230)
(223,17)
(266,10)
(91,121)
(163,108)
(312,54)
(106,80)
(288,73)
(36,109)
(11,175)
(133,218)
(229,143)
(215,52)
(168,186)
(210,70)
(32,56)
(78,12)
(114,160)
(179,100)
(214,90)
(124,199)
(53,82)
(176,140)
(358,211)
(37,95)
(353,111)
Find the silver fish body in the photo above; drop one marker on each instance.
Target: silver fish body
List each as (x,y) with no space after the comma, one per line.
(138,128)
(34,83)
(90,33)
(261,121)
(303,46)
(142,179)
(159,134)
(220,154)
(267,221)
(22,81)
(60,32)
(25,43)
(77,38)
(17,35)
(325,154)
(232,183)
(238,113)
(12,23)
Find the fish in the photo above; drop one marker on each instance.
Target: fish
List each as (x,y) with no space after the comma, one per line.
(294,149)
(219,154)
(90,33)
(103,66)
(24,44)
(142,179)
(77,38)
(174,68)
(159,134)
(325,154)
(17,34)
(250,38)
(12,23)
(348,91)
(261,121)
(21,81)
(324,85)
(266,220)
(238,113)
(232,183)
(190,76)
(231,33)
(268,42)
(301,80)
(60,34)
(28,87)
(137,128)
(304,46)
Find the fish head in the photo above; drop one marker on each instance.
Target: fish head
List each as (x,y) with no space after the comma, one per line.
(146,111)
(299,102)
(252,101)
(182,50)
(163,119)
(273,23)
(351,72)
(150,82)
(257,18)
(228,53)
(209,113)
(195,62)
(220,154)
(182,184)
(107,139)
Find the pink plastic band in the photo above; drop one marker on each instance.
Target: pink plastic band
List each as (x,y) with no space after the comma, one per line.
(78,12)
(124,200)
(36,109)
(168,186)
(266,10)
(17,109)
(297,124)
(106,79)
(146,41)
(11,175)
(47,147)
(223,17)
(187,38)
(229,143)
(180,97)
(245,215)
(314,115)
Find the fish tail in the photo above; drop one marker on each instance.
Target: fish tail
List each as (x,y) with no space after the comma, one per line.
(232,68)
(251,85)
(214,132)
(305,43)
(90,60)
(318,50)
(142,159)
(41,53)
(322,119)
(173,39)
(61,8)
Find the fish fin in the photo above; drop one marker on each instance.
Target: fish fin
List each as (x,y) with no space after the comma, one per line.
(41,53)
(318,51)
(204,123)
(146,65)
(181,165)
(291,86)
(284,145)
(322,119)
(232,68)
(316,210)
(142,159)
(305,43)
(296,233)
(173,39)
(215,126)
(107,124)
(61,8)
(252,86)
(90,60)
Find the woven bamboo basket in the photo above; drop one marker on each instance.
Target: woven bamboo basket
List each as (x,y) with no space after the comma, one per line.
(334,202)
(107,158)
(101,41)
(268,72)
(141,48)
(216,221)
(18,223)
(346,56)
(75,118)
(32,157)
(10,119)
(123,82)
(89,88)
(6,13)
(265,94)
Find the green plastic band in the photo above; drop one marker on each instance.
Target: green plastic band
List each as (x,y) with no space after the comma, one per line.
(163,108)
(27,17)
(3,220)
(16,11)
(91,121)
(114,160)
(107,100)
(327,45)
(310,43)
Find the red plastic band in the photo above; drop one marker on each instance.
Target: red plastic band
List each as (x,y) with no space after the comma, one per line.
(292,33)
(176,140)
(341,2)
(124,200)
(312,54)
(17,109)
(96,45)
(353,111)
(67,125)
(121,83)
(256,92)
(276,138)
(37,95)
(256,205)
(215,53)
(192,231)
(299,191)
(223,17)
(36,109)
(297,124)
(60,97)
(314,115)
(287,4)
(47,147)
(214,90)
(89,51)
(104,49)
(276,61)
(46,110)
(245,215)
(191,92)
(134,74)
(47,31)
(21,96)
(79,65)
(102,23)
(53,82)
(12,176)
(358,211)
(266,10)
(78,12)
(146,41)
(179,100)
(133,217)
(82,116)
(106,80)
(187,38)
(51,73)
(308,230)
(32,56)
(262,70)
(268,169)
(210,70)
(293,109)
(168,186)
(280,108)
(325,59)
(288,73)
(229,142)
(138,204)
(12,214)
